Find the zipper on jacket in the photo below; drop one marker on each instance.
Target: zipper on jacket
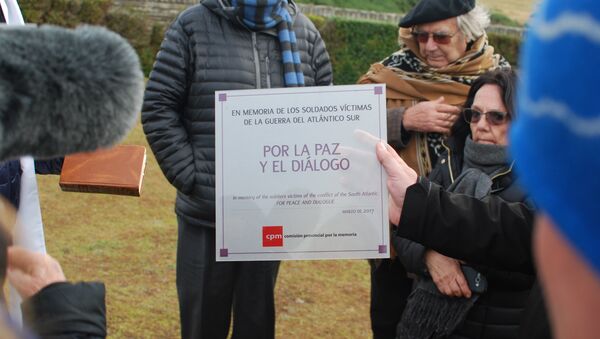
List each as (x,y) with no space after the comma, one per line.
(256,60)
(449,161)
(505,172)
(268,66)
(508,170)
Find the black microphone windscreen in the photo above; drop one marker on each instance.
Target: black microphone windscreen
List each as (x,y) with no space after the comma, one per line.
(65,90)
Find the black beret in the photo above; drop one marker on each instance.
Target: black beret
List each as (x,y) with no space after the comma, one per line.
(435,10)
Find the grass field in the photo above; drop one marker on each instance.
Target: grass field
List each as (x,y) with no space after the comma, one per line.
(389,6)
(518,10)
(129,243)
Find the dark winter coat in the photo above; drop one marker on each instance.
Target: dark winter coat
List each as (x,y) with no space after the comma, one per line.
(10,176)
(67,310)
(206,50)
(498,312)
(10,181)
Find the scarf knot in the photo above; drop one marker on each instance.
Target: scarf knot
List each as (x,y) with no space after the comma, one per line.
(481,163)
(260,15)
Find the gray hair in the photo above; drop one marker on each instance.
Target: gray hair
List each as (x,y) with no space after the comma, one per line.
(473,23)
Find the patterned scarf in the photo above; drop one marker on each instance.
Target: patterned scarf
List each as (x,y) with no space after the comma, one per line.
(259,15)
(478,59)
(410,80)
(408,77)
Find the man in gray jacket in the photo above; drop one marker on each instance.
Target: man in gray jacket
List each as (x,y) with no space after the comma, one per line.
(221,45)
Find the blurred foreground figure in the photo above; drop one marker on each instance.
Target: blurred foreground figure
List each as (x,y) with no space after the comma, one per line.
(52,307)
(556,144)
(46,76)
(18,184)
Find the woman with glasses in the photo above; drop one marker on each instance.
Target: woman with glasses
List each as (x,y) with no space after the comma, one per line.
(453,298)
(443,48)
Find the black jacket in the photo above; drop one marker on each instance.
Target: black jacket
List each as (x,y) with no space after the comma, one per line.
(205,50)
(491,249)
(67,311)
(10,181)
(498,312)
(10,176)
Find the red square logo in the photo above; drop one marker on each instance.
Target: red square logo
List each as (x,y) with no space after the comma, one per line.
(272,236)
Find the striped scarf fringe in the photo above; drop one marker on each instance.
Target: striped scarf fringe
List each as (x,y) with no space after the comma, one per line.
(260,15)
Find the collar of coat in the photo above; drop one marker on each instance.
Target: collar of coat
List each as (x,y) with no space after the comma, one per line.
(224,9)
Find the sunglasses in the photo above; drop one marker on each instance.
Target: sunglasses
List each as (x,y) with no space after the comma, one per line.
(439,37)
(472,116)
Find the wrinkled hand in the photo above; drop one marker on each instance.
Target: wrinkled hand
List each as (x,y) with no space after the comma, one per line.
(29,271)
(447,275)
(431,116)
(400,176)
(394,212)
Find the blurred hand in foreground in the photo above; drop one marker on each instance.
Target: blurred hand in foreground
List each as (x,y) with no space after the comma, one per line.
(400,177)
(29,272)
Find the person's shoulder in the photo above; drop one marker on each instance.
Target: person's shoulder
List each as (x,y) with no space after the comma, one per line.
(193,13)
(302,18)
(303,21)
(189,20)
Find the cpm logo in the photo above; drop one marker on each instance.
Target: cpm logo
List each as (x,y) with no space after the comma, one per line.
(272,236)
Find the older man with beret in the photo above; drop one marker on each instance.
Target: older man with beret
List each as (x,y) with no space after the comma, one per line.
(444,47)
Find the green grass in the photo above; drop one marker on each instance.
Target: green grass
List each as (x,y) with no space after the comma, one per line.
(389,6)
(517,10)
(130,244)
(501,19)
(504,12)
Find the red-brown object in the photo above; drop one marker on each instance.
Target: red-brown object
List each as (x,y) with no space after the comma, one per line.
(118,170)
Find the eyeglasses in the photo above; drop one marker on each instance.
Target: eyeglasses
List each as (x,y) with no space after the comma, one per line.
(472,116)
(441,38)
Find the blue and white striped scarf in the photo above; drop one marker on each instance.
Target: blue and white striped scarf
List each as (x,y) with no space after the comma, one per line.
(260,15)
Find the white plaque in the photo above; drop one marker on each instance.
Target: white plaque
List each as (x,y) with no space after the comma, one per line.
(297,176)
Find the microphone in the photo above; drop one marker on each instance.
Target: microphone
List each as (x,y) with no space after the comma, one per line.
(65,90)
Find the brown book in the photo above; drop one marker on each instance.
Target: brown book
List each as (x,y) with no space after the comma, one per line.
(118,170)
